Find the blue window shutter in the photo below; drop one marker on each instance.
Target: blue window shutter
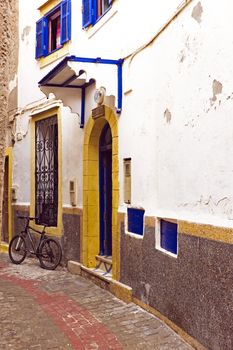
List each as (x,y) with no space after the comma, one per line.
(87,12)
(42,37)
(45,36)
(65,21)
(39,39)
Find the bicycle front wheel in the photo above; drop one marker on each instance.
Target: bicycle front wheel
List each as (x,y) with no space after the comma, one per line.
(50,254)
(17,249)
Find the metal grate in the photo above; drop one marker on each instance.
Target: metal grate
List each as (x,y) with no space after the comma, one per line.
(46,171)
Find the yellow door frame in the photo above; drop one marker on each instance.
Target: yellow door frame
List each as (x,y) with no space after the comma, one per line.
(9,154)
(55,111)
(90,239)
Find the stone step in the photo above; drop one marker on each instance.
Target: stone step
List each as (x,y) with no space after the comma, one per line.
(98,276)
(104,263)
(103,280)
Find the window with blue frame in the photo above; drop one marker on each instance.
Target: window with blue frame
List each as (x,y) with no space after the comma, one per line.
(168,236)
(54,29)
(135,220)
(93,10)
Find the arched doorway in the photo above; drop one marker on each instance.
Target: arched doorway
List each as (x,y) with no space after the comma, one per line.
(97,134)
(105,191)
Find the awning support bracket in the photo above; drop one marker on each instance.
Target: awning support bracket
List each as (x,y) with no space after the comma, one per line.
(119,63)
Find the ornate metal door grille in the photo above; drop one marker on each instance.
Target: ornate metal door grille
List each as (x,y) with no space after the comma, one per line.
(46,171)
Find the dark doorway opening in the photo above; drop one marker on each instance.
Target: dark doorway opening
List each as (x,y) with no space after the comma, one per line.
(105,191)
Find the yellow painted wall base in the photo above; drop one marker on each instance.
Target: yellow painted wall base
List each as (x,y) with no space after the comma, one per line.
(121,291)
(4,248)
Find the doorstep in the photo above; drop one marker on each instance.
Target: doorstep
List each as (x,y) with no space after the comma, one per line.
(102,279)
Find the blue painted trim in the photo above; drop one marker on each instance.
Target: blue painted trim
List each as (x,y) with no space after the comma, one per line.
(94,60)
(83,93)
(120,86)
(99,60)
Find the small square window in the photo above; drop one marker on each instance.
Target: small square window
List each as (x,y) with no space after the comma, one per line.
(167,236)
(135,220)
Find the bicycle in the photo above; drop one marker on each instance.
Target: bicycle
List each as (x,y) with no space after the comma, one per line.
(48,251)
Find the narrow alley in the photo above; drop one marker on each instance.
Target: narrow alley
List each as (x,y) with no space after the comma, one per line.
(43,309)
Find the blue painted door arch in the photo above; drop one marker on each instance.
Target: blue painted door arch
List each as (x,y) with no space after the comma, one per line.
(105,191)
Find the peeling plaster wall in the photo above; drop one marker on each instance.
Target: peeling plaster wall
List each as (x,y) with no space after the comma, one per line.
(72,160)
(8,79)
(179,111)
(94,43)
(177,103)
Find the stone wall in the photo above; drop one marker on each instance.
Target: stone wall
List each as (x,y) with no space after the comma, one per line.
(8,75)
(194,290)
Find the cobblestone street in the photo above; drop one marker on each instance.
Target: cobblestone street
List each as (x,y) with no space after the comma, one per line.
(43,309)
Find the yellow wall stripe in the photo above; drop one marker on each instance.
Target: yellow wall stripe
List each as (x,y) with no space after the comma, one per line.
(215,233)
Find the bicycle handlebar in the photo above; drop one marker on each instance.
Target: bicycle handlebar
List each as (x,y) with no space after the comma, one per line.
(27,217)
(32,218)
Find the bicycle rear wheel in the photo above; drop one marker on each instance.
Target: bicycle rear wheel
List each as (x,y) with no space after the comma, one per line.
(50,254)
(17,249)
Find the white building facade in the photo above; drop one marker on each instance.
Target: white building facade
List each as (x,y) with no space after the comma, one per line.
(123,141)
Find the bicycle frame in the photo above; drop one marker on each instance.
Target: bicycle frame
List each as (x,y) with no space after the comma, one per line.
(27,233)
(46,249)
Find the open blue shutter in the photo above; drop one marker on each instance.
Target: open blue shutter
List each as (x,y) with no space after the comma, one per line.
(65,21)
(42,37)
(39,39)
(45,35)
(87,12)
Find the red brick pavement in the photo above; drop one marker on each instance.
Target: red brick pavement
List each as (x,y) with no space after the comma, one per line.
(44,310)
(84,331)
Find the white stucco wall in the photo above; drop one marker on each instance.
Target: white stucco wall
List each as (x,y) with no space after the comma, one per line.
(177,104)
(22,160)
(72,156)
(182,158)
